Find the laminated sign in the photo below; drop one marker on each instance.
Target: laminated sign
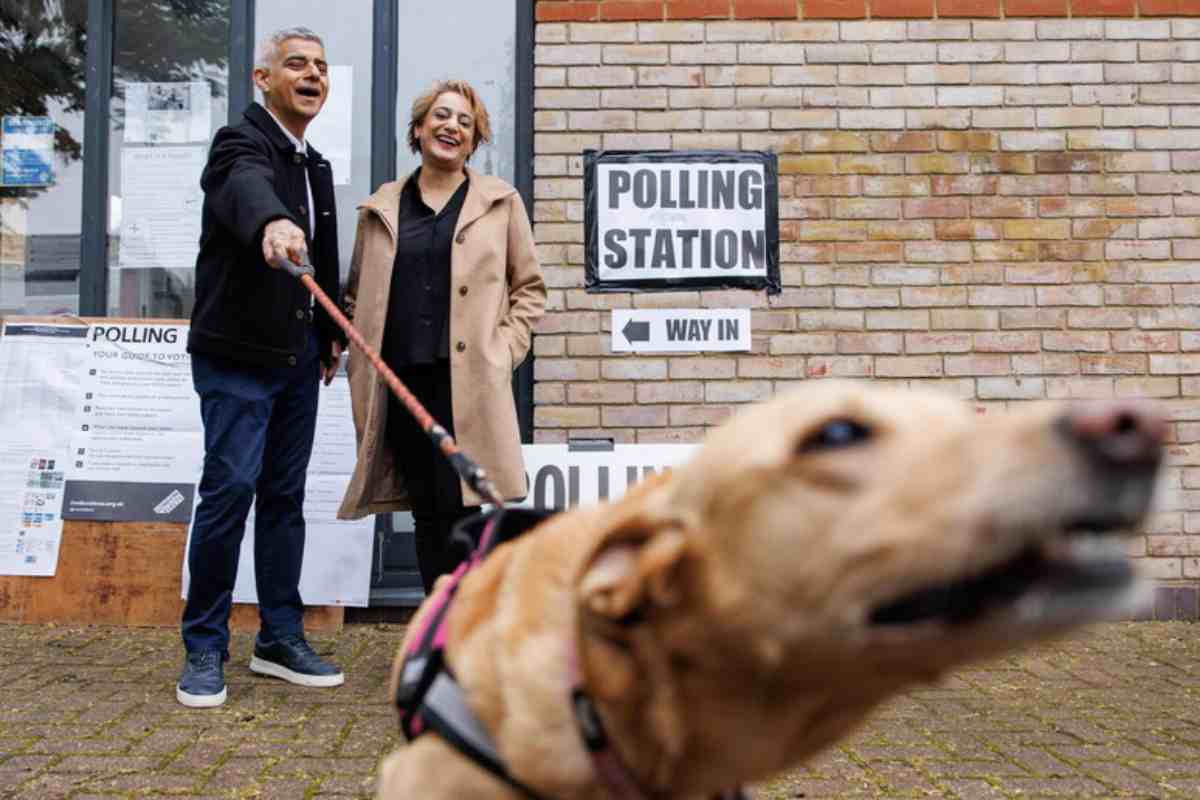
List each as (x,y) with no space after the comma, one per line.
(665,221)
(27,151)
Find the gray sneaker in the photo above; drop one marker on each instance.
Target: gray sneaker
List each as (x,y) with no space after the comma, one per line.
(292,659)
(202,684)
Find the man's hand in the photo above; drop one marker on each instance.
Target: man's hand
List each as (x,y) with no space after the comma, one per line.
(283,239)
(331,369)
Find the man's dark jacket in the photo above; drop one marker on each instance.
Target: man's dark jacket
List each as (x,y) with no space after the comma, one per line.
(246,310)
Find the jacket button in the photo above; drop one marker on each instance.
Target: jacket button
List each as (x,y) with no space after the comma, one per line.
(462,237)
(303,211)
(291,361)
(297,158)
(461,347)
(299,313)
(462,290)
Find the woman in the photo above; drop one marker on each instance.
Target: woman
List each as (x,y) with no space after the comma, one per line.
(445,284)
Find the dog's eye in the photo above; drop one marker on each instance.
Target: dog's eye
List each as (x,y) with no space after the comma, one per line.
(836,433)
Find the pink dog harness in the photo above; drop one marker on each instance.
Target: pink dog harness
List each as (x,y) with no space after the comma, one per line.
(429,698)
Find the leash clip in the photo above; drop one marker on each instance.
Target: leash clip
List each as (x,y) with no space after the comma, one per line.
(305,267)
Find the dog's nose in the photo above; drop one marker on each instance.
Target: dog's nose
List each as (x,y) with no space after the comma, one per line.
(1118,434)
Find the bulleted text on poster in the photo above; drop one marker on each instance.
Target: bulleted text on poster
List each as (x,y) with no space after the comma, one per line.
(39,393)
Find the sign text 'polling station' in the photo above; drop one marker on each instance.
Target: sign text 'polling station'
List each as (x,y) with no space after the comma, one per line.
(690,219)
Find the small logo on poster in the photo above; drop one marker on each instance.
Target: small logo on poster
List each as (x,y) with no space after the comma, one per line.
(169,503)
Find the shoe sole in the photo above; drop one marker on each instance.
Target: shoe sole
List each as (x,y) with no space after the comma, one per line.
(200,700)
(270,668)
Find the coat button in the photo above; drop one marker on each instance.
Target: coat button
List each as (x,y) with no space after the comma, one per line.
(303,211)
(462,237)
(462,290)
(299,313)
(461,347)
(297,158)
(291,361)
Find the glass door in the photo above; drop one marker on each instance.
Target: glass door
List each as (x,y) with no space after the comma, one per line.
(42,83)
(342,131)
(465,40)
(170,82)
(450,39)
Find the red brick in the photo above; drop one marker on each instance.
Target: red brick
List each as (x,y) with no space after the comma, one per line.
(1169,8)
(765,9)
(901,9)
(835,9)
(968,8)
(631,9)
(1035,8)
(698,9)
(566,12)
(1103,8)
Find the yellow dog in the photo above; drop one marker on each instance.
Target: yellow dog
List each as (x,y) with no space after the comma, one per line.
(820,553)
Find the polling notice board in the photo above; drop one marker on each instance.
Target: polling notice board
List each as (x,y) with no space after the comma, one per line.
(100,423)
(137,448)
(679,220)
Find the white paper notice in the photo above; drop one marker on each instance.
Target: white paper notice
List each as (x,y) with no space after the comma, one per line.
(332,131)
(40,367)
(138,449)
(161,200)
(168,113)
(337,553)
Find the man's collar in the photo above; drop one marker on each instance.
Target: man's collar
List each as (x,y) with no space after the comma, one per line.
(301,146)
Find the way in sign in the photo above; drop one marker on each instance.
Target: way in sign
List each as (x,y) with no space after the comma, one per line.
(700,330)
(680,330)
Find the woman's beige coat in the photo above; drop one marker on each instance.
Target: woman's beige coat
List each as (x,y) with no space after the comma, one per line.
(496,294)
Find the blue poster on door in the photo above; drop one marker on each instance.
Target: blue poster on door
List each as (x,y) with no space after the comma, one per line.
(27,151)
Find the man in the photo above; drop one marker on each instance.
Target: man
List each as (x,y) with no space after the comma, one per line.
(258,351)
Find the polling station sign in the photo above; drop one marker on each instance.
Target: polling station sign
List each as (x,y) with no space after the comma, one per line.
(670,221)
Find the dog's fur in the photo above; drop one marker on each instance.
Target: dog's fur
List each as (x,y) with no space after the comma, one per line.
(754,570)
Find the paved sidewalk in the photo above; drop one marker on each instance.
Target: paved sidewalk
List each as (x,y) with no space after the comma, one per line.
(91,713)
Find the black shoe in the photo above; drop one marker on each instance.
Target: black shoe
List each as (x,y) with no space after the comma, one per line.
(202,684)
(292,659)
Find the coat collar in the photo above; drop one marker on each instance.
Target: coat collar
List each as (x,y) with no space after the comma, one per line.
(482,192)
(260,118)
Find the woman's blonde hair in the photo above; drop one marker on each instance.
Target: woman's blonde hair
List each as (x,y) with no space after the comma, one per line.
(425,101)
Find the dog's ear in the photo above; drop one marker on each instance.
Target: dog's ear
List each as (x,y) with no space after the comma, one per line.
(634,568)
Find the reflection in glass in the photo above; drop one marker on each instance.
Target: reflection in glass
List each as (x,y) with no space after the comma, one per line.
(170,69)
(342,131)
(484,39)
(42,67)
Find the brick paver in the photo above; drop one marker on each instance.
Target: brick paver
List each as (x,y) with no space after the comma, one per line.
(91,713)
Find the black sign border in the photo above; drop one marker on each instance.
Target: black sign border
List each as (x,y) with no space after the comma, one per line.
(591,224)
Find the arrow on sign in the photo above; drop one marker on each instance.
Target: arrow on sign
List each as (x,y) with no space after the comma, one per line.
(636,331)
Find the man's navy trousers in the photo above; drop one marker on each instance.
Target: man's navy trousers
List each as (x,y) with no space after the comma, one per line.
(259,424)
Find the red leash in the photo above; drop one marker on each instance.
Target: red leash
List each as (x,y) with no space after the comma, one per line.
(471,473)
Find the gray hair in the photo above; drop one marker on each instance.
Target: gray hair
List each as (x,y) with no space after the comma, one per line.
(268,48)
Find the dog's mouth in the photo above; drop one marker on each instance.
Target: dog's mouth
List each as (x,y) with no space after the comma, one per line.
(1083,574)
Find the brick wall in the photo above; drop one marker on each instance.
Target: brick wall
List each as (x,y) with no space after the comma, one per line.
(1005,209)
